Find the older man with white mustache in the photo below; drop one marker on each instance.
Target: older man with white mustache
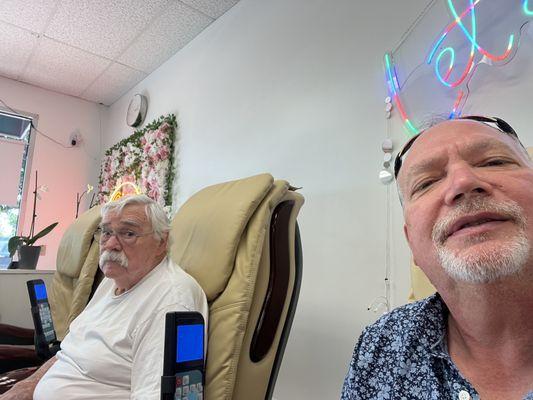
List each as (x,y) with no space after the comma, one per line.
(466,187)
(114,348)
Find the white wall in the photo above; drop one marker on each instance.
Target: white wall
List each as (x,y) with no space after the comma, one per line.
(296,88)
(65,171)
(15,307)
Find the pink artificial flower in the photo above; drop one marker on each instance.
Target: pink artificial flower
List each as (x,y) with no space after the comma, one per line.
(144,184)
(163,153)
(164,127)
(159,134)
(154,193)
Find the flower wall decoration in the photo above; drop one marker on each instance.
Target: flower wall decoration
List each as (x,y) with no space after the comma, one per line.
(144,158)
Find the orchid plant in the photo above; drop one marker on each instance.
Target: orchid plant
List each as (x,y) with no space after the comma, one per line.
(16,241)
(80,196)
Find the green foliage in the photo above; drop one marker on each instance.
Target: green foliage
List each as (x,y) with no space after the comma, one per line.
(16,241)
(135,169)
(135,138)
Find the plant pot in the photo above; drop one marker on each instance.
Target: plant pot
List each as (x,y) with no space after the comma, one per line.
(28,256)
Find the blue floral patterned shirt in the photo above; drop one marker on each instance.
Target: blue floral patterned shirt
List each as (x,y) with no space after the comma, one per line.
(403,356)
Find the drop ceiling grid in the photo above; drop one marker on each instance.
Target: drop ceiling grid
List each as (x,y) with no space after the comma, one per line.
(114,23)
(63,68)
(172,30)
(96,49)
(28,14)
(16,46)
(212,8)
(112,84)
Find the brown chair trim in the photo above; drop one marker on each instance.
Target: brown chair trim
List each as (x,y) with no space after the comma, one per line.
(15,335)
(290,313)
(278,282)
(14,357)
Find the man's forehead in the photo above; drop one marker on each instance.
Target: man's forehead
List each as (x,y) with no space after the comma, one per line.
(464,134)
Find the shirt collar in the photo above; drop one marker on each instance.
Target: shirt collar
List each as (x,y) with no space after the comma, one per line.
(435,313)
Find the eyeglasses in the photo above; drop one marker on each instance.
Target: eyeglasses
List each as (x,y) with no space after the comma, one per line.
(124,236)
(495,122)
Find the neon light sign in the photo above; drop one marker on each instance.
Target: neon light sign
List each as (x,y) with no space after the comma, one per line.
(526,9)
(121,191)
(394,90)
(447,71)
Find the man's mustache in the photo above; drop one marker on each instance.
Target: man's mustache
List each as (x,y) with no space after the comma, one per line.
(115,256)
(508,210)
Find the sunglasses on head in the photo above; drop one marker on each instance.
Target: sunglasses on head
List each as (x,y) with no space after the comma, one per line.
(495,122)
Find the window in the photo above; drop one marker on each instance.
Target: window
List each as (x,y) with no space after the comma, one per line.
(15,134)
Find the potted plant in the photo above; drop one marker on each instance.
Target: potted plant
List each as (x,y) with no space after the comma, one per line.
(28,253)
(79,197)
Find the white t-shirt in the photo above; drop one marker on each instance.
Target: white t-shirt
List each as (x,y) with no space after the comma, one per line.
(115,347)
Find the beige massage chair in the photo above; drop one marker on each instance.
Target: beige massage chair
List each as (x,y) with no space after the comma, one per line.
(240,240)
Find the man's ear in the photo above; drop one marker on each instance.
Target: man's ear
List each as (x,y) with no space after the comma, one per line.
(406,233)
(163,244)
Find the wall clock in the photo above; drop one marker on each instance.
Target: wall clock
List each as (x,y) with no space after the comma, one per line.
(136,110)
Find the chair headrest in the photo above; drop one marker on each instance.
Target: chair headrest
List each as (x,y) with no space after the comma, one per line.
(75,243)
(213,220)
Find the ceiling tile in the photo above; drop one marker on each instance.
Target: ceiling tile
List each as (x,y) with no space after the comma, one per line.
(82,38)
(165,36)
(63,68)
(112,84)
(213,8)
(103,27)
(16,46)
(28,14)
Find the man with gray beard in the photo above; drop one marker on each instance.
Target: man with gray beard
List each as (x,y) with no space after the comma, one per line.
(114,348)
(466,188)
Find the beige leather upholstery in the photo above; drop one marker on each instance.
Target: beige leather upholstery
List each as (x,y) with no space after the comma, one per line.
(421,287)
(221,237)
(76,266)
(227,236)
(213,221)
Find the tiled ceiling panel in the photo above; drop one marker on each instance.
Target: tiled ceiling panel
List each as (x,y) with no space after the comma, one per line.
(170,31)
(213,8)
(16,46)
(96,49)
(112,84)
(115,23)
(63,68)
(29,14)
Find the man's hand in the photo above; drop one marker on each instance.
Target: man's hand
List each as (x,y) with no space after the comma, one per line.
(24,389)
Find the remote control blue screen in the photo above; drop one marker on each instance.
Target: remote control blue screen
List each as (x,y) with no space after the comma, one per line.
(40,291)
(190,346)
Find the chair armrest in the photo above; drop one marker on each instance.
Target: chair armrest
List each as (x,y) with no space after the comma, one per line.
(14,357)
(15,335)
(9,379)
